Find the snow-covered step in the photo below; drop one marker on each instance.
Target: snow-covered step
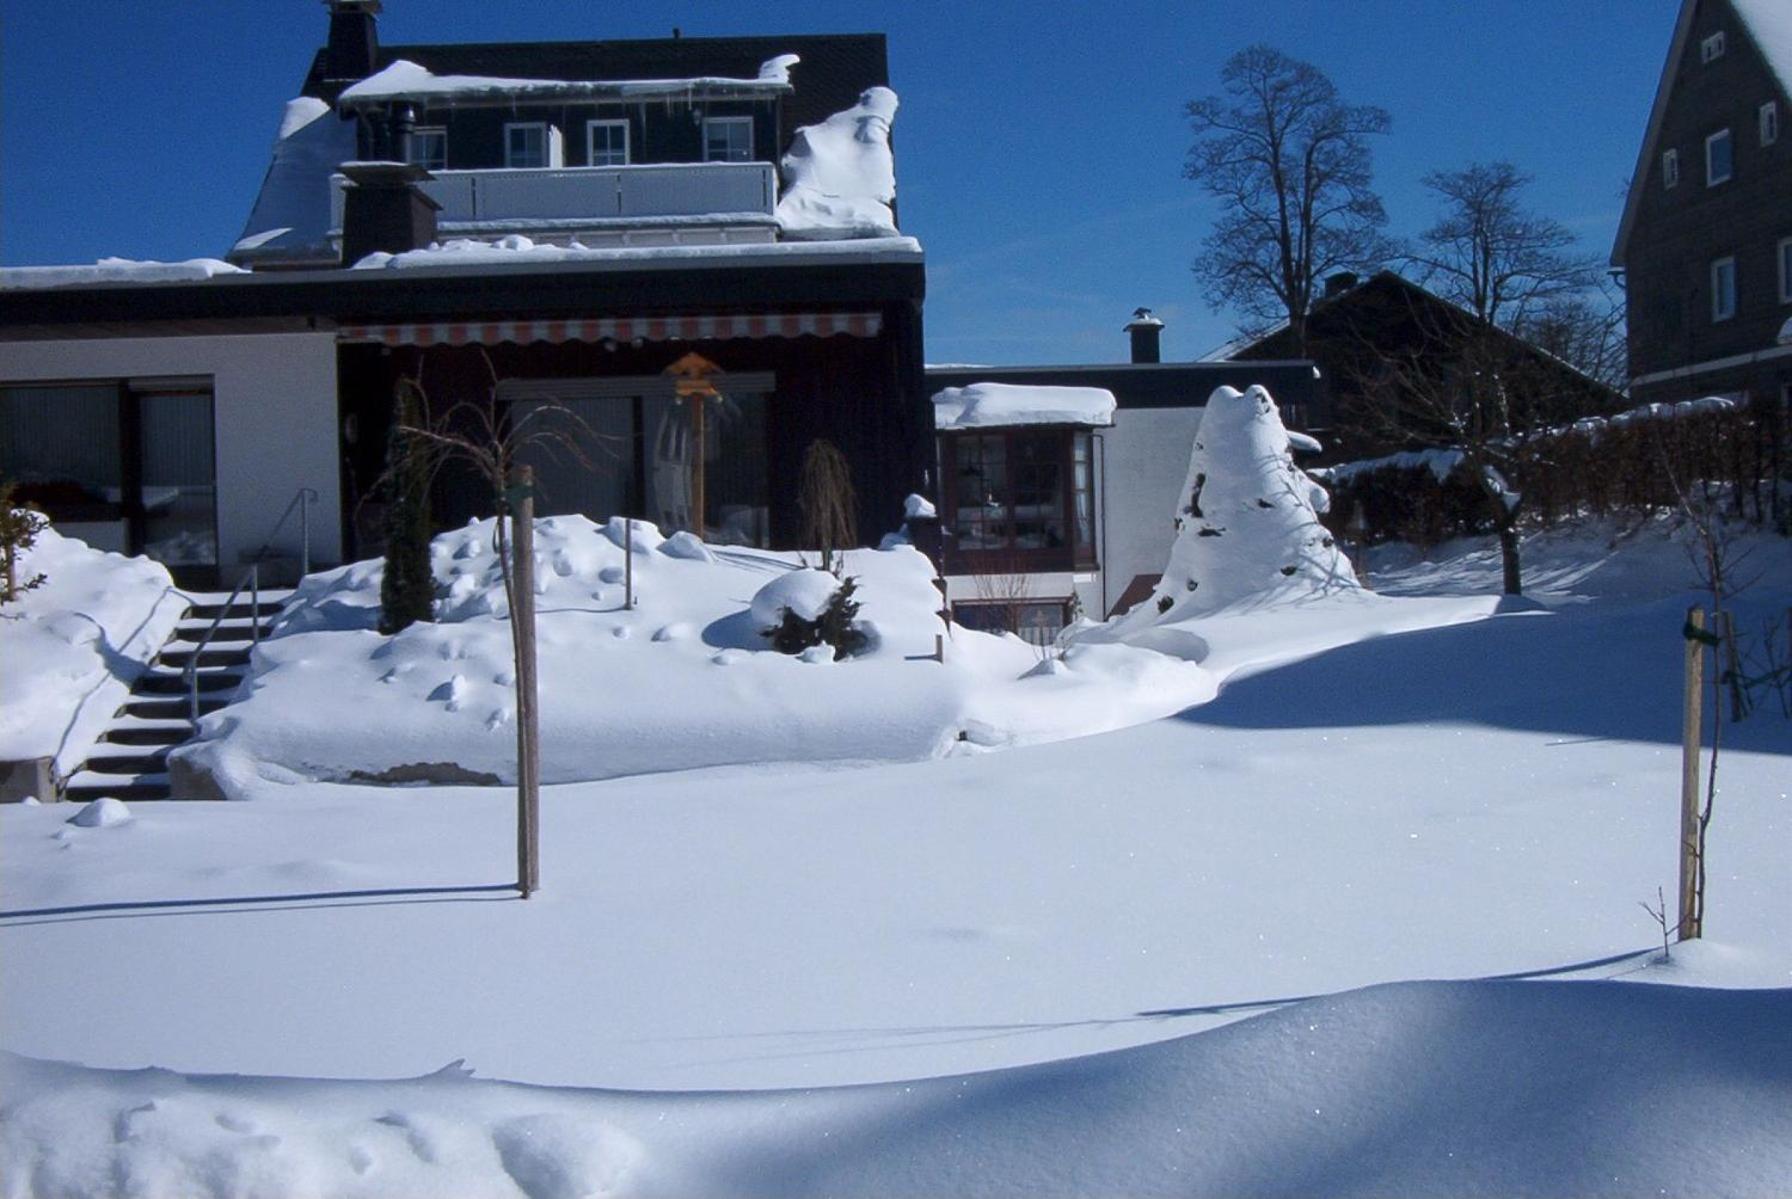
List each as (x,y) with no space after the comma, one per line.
(86,785)
(111,759)
(172,707)
(134,730)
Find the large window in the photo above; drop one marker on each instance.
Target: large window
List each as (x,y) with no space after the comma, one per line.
(526,145)
(1719,158)
(429,147)
(122,466)
(606,143)
(1028,493)
(1723,289)
(728,139)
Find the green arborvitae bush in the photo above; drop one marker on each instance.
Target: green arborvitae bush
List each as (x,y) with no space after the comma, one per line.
(19,528)
(408,589)
(834,627)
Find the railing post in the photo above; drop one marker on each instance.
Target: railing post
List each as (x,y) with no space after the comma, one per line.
(254,604)
(304,531)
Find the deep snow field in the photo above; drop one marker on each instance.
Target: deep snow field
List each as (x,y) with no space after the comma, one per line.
(1328,794)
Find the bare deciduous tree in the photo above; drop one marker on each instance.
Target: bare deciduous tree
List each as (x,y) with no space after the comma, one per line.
(1586,331)
(1290,163)
(1491,254)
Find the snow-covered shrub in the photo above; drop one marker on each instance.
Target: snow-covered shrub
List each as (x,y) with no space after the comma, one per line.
(805,608)
(19,528)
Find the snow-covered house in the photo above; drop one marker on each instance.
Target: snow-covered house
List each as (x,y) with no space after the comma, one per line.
(560,222)
(1058,485)
(1705,244)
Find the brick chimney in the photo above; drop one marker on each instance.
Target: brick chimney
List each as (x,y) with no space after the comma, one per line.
(353,50)
(384,209)
(1145,329)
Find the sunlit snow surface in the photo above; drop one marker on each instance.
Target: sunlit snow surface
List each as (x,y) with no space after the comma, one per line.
(1452,802)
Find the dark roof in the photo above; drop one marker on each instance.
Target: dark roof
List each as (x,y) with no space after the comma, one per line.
(835,67)
(1145,385)
(479,293)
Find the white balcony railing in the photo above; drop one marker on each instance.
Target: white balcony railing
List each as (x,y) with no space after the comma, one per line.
(607,195)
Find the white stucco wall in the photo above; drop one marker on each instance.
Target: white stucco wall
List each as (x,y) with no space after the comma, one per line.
(1147,454)
(274,409)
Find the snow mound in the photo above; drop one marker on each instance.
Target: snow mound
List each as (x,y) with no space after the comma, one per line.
(1001,405)
(1248,531)
(839,176)
(70,649)
(1409,1089)
(622,690)
(291,215)
(804,593)
(101,813)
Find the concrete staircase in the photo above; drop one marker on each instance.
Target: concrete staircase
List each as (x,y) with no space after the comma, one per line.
(130,760)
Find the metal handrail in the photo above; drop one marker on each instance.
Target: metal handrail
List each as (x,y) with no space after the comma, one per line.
(302,500)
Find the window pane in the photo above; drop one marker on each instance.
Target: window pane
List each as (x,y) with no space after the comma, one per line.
(602,431)
(1038,516)
(728,139)
(429,149)
(179,499)
(62,446)
(608,143)
(525,146)
(1717,158)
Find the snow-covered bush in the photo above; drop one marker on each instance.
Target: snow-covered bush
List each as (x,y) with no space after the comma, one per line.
(1248,528)
(805,608)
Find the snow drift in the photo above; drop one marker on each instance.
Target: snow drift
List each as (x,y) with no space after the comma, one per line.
(839,176)
(1408,1089)
(70,649)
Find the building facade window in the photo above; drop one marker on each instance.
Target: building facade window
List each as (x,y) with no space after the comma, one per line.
(1785,265)
(1021,498)
(1712,48)
(1670,168)
(728,139)
(526,145)
(429,147)
(1719,158)
(606,143)
(1768,119)
(1723,289)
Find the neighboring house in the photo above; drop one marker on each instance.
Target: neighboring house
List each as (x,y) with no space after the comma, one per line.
(581,223)
(1705,245)
(1364,334)
(1058,485)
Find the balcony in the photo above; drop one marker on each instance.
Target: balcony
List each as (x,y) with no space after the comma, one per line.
(698,203)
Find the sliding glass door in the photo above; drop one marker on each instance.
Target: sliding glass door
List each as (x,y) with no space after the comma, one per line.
(122,465)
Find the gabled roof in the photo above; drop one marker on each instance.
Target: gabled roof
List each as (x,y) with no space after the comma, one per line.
(1768,24)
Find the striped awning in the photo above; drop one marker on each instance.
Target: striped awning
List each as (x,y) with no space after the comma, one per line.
(652,328)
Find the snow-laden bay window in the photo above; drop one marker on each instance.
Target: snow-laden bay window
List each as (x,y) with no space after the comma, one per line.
(1021,493)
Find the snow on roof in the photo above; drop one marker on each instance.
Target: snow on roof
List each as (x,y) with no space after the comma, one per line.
(839,176)
(518,250)
(406,80)
(291,217)
(1000,405)
(114,270)
(1769,23)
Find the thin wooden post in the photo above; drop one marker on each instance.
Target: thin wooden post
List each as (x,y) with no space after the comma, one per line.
(1691,732)
(528,727)
(628,563)
(698,483)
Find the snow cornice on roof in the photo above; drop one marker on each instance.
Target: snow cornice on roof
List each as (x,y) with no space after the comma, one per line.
(407,81)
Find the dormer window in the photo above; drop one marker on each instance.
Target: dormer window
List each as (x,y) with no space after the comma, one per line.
(1768,121)
(1670,168)
(1719,158)
(527,146)
(728,139)
(429,147)
(606,143)
(1712,48)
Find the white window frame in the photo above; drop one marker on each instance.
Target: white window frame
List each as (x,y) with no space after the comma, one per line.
(1784,259)
(421,131)
(546,150)
(1723,301)
(1712,179)
(591,128)
(1712,48)
(728,121)
(1767,122)
(1670,168)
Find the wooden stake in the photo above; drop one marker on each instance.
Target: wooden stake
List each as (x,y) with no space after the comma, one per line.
(1691,732)
(698,483)
(528,728)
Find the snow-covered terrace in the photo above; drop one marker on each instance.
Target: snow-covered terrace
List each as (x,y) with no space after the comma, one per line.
(407,81)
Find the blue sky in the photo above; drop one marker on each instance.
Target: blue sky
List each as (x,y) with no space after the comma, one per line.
(1039,147)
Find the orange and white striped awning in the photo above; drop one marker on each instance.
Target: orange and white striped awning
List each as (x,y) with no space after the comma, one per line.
(651,328)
